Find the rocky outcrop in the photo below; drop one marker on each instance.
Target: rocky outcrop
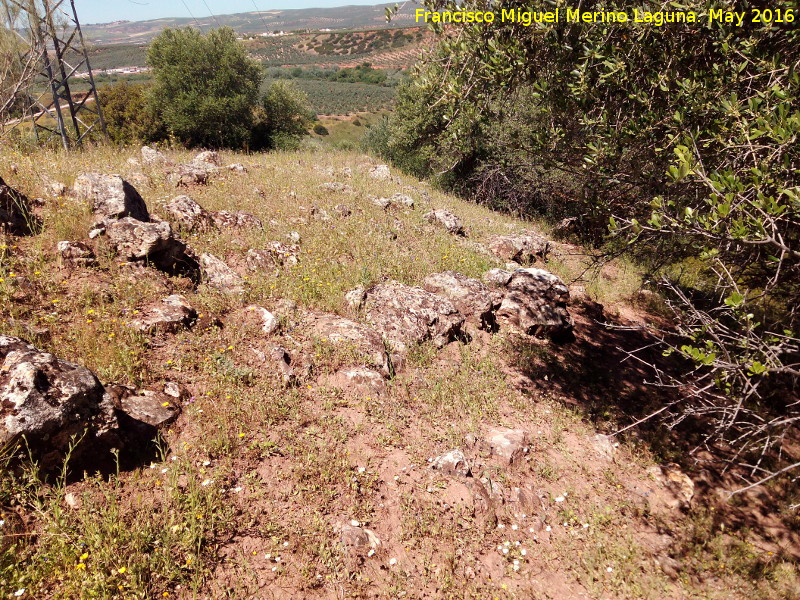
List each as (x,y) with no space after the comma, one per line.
(76,253)
(208,159)
(154,242)
(15,212)
(219,275)
(362,342)
(238,220)
(358,381)
(170,315)
(524,248)
(151,156)
(187,175)
(112,197)
(380,173)
(497,277)
(48,401)
(444,218)
(470,297)
(536,302)
(189,214)
(406,315)
(397,200)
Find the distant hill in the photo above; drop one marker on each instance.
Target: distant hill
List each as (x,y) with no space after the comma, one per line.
(342,17)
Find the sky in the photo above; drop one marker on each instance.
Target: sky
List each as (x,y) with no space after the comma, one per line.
(103,11)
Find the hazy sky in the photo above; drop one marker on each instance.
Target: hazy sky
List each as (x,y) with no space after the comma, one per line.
(103,11)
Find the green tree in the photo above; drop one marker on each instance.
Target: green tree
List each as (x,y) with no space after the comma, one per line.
(128,116)
(287,115)
(205,88)
(685,138)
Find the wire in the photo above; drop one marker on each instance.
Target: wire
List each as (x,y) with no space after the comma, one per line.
(211,13)
(186,6)
(260,15)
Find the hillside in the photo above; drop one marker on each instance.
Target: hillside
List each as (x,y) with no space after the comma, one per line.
(340,17)
(337,414)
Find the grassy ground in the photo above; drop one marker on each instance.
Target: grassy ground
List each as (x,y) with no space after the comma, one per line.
(249,487)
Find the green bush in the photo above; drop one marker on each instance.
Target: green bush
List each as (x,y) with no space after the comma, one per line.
(320,129)
(206,87)
(128,117)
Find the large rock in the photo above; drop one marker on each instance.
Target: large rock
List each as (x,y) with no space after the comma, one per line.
(364,343)
(112,197)
(219,275)
(406,315)
(524,248)
(135,240)
(208,159)
(15,212)
(170,315)
(151,156)
(187,175)
(470,297)
(536,302)
(48,400)
(444,218)
(189,213)
(76,253)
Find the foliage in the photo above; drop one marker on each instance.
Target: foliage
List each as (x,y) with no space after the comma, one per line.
(683,137)
(128,116)
(205,86)
(320,129)
(285,118)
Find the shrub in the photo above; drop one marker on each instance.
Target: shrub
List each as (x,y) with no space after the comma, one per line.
(129,118)
(320,129)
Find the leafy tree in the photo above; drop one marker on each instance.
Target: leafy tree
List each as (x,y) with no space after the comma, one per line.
(286,116)
(128,116)
(205,88)
(683,137)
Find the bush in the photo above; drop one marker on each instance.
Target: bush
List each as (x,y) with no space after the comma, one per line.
(320,129)
(206,87)
(284,117)
(128,117)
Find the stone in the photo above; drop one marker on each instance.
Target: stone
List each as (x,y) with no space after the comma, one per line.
(238,220)
(264,320)
(364,342)
(155,409)
(294,237)
(452,463)
(56,189)
(357,538)
(151,156)
(342,210)
(381,202)
(470,297)
(497,277)
(536,302)
(446,219)
(402,200)
(355,298)
(135,240)
(236,168)
(319,213)
(112,197)
(219,275)
(508,444)
(566,227)
(335,186)
(284,254)
(380,173)
(170,315)
(189,214)
(76,253)
(677,483)
(281,358)
(524,248)
(359,381)
(207,158)
(48,400)
(187,175)
(406,315)
(605,445)
(259,260)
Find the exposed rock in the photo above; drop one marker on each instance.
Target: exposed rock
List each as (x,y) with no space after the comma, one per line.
(260,260)
(360,381)
(76,253)
(155,409)
(358,539)
(283,361)
(320,213)
(566,227)
(509,444)
(497,277)
(237,168)
(407,315)
(139,179)
(342,210)
(219,275)
(189,213)
(284,254)
(260,317)
(294,237)
(154,242)
(680,486)
(403,200)
(48,401)
(445,219)
(355,298)
(186,175)
(112,197)
(239,220)
(335,186)
(605,445)
(170,315)
(470,297)
(365,342)
(452,463)
(151,156)
(381,202)
(524,248)
(536,302)
(56,188)
(207,158)
(380,173)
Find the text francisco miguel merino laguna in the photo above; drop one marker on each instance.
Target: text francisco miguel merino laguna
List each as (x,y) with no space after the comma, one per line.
(575,15)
